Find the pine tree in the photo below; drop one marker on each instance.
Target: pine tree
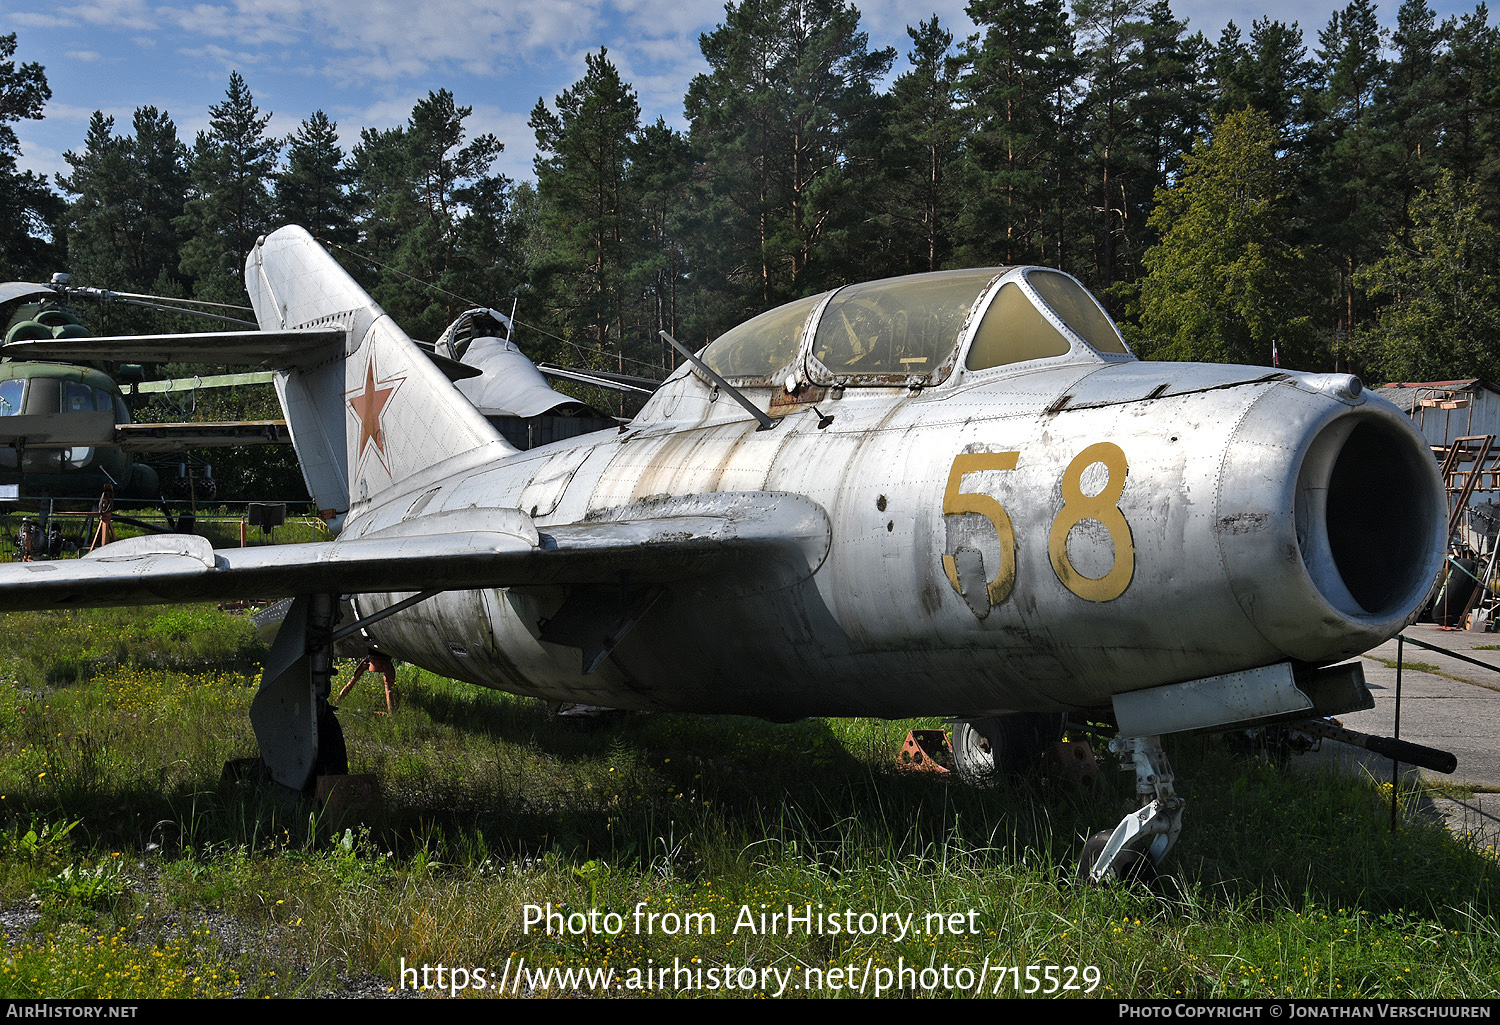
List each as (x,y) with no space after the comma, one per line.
(917,191)
(1119,179)
(789,91)
(1469,72)
(1271,74)
(1233,72)
(582,172)
(1020,171)
(94,223)
(1441,311)
(154,198)
(450,173)
(229,194)
(313,189)
(424,195)
(1172,108)
(126,198)
(27,205)
(660,180)
(1342,180)
(1407,118)
(383,197)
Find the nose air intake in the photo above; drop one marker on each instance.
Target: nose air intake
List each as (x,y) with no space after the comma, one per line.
(1368,517)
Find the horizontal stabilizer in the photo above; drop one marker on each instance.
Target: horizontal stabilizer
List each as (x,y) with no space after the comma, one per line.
(82,430)
(602,379)
(511,384)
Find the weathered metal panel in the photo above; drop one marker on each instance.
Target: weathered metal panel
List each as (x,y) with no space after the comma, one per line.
(1244,696)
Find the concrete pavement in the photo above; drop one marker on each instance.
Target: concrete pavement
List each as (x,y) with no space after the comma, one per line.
(1454,706)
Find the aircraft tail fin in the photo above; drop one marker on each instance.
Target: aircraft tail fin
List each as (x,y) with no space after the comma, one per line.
(376,411)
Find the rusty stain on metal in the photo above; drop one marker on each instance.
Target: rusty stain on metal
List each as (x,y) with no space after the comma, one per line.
(783,402)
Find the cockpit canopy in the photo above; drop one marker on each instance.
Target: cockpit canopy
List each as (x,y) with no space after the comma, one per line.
(913,330)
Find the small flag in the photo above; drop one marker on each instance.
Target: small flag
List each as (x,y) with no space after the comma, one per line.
(1275,354)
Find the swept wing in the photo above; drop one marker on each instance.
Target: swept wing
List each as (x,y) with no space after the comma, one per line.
(655,543)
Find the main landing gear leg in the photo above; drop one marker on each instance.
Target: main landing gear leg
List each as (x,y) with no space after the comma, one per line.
(300,739)
(1137,845)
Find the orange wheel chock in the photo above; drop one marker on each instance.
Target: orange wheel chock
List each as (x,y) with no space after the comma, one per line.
(926,751)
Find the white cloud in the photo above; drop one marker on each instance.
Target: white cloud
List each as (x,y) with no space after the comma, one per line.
(27,19)
(227,60)
(248,25)
(886,21)
(360,70)
(112,14)
(510,128)
(670,18)
(43,160)
(72,113)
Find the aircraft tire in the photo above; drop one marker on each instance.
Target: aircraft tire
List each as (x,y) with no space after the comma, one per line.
(987,750)
(1132,866)
(202,489)
(973,755)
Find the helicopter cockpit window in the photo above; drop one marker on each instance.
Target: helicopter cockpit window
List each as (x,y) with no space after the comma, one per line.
(898,328)
(762,345)
(77,398)
(1073,304)
(1014,330)
(10,397)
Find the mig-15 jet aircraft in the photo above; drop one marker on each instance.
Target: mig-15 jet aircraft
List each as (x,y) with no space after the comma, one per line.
(954,494)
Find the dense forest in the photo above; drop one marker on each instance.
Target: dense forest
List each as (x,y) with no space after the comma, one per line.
(1336,197)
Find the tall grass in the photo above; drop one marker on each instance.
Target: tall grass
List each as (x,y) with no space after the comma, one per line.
(135,869)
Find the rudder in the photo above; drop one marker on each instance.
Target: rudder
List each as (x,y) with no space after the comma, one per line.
(372,415)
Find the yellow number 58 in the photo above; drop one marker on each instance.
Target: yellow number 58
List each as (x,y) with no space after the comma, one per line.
(1102,508)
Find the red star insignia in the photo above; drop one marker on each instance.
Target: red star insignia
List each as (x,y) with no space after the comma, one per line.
(368,404)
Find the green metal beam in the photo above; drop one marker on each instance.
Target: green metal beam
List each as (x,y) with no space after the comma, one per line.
(195,383)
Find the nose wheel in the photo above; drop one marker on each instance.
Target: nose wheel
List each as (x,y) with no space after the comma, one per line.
(1133,849)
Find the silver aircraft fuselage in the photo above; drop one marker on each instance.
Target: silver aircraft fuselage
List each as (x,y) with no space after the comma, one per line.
(1020,539)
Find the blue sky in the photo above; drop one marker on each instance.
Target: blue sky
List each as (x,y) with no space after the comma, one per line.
(366,62)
